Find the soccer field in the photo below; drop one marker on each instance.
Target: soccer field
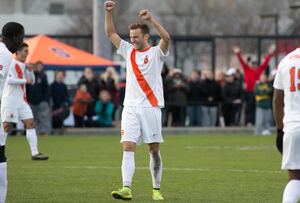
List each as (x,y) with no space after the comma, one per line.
(207,168)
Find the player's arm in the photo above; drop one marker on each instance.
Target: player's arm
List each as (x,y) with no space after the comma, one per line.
(29,74)
(110,30)
(278,111)
(15,81)
(278,104)
(161,31)
(15,75)
(5,62)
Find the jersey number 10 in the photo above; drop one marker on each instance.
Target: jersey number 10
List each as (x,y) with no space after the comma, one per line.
(292,76)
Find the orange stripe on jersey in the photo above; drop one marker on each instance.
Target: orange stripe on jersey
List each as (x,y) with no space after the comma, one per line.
(19,71)
(20,76)
(141,80)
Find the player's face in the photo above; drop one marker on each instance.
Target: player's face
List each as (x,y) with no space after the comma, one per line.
(22,54)
(137,38)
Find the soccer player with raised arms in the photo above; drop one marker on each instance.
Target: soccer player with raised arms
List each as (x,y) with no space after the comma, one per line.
(141,116)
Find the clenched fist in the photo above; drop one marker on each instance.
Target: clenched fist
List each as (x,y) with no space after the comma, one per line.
(145,15)
(109,5)
(236,50)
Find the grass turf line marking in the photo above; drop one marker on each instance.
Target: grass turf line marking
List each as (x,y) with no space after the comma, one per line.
(165,169)
(240,148)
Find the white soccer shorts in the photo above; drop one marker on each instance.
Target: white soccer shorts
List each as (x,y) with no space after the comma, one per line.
(291,151)
(13,115)
(141,125)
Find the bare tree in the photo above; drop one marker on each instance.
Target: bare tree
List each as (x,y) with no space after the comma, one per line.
(209,17)
(194,17)
(81,17)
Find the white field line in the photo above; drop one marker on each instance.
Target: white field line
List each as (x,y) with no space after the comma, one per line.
(240,148)
(165,169)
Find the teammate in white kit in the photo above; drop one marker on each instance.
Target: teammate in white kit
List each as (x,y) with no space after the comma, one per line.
(12,38)
(287,117)
(16,91)
(141,116)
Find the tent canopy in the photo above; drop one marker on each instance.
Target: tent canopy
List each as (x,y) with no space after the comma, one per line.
(56,55)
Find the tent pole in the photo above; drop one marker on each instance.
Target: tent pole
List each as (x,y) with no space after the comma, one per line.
(101,45)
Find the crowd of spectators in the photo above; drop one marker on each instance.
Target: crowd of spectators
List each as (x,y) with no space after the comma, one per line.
(228,98)
(204,100)
(94,104)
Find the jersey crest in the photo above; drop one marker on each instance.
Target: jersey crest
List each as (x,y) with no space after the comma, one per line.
(146,60)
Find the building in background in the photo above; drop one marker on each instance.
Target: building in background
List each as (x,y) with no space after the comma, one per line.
(189,17)
(39,17)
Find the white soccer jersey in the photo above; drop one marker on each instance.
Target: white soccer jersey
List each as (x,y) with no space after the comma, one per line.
(288,79)
(143,77)
(5,60)
(14,93)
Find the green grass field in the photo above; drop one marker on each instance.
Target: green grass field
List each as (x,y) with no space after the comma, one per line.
(207,168)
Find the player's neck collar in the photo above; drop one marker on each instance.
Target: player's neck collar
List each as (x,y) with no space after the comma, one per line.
(143,50)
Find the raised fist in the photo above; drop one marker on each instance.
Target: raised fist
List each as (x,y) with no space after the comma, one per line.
(236,49)
(272,49)
(109,5)
(145,14)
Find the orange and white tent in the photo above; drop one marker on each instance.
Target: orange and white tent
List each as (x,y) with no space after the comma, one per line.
(57,55)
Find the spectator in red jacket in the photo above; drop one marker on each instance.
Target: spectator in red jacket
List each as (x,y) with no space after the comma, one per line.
(252,74)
